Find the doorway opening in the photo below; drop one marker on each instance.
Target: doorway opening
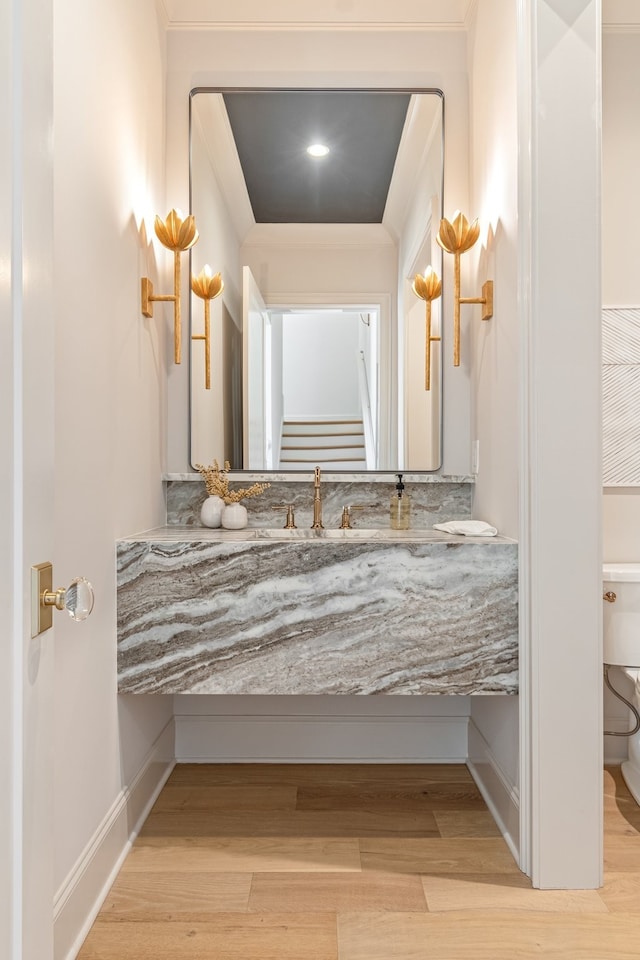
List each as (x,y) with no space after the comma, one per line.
(322,387)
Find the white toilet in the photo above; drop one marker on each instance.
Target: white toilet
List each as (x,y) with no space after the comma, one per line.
(621,628)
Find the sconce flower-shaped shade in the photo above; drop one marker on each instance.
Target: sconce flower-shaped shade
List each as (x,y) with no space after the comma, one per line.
(427,287)
(458,235)
(206,285)
(176,233)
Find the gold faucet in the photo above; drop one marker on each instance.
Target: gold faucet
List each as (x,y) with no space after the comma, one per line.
(345,523)
(317,503)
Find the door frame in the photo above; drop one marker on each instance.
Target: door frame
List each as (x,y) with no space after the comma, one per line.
(26,489)
(387,426)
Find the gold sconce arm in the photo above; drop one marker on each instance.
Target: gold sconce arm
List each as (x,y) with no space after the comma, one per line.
(207,287)
(428,288)
(456,237)
(179,234)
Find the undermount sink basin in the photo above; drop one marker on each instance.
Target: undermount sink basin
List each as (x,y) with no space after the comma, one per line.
(305,534)
(356,533)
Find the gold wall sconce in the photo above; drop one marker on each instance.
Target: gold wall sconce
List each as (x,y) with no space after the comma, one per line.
(456,237)
(428,288)
(176,233)
(207,287)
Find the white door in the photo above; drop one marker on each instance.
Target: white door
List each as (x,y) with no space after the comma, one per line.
(26,477)
(254,320)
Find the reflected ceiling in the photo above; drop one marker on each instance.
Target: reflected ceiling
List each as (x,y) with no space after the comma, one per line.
(362,131)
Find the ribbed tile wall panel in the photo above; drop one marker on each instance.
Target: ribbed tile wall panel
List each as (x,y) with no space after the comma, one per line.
(621,396)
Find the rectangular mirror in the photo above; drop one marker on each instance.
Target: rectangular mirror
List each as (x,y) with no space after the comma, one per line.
(317,352)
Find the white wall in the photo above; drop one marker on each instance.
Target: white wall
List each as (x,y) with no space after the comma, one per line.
(320,365)
(111,372)
(620,208)
(418,249)
(219,247)
(491,348)
(620,163)
(620,287)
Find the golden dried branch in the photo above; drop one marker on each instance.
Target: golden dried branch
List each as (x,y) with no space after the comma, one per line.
(234,496)
(217,483)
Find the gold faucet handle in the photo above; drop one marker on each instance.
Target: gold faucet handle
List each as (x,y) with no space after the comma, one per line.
(290,522)
(345,523)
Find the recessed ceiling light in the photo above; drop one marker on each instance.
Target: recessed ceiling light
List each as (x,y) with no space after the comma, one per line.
(317,150)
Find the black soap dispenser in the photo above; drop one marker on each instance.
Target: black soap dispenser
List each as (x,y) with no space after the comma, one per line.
(400,507)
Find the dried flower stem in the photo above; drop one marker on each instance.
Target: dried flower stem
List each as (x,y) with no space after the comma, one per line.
(217,483)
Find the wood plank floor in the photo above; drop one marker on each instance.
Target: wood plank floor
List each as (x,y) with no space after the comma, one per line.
(346,862)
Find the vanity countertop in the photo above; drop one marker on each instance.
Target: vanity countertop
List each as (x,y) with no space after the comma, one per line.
(192,534)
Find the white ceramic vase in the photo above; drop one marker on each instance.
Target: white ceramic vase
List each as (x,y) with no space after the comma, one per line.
(211,511)
(234,516)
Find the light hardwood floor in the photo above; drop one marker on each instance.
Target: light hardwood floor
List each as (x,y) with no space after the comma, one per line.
(353,862)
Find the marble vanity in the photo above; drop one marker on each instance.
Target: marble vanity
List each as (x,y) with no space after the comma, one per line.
(272,611)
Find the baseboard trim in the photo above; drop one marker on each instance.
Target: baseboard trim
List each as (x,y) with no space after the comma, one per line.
(499,793)
(320,739)
(84,890)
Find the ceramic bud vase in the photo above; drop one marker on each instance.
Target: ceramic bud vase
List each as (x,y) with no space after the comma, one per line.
(234,516)
(211,511)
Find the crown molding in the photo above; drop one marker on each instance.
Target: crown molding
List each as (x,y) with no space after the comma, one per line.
(471,13)
(367,15)
(163,14)
(238,26)
(620,16)
(620,28)
(331,15)
(324,235)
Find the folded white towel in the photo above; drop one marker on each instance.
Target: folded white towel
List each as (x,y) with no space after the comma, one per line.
(469,528)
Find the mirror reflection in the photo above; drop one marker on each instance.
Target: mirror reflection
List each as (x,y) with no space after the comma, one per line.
(317,345)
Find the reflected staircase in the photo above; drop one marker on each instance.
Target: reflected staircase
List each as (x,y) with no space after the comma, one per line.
(331,443)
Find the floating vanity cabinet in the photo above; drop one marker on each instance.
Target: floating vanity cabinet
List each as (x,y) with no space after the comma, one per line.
(255,612)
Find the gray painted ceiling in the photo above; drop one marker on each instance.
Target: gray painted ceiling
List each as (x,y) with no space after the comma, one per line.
(272,130)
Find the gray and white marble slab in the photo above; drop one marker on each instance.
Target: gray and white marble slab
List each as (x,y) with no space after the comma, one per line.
(190,534)
(301,476)
(431,502)
(317,616)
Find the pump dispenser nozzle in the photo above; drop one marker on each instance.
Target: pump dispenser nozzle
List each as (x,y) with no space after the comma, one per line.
(400,507)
